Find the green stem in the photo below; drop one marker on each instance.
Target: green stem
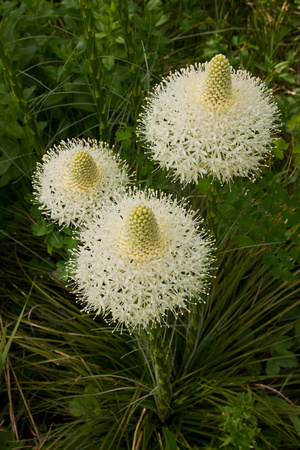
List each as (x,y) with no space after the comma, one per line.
(95,67)
(160,355)
(136,89)
(212,221)
(213,197)
(27,117)
(212,208)
(193,327)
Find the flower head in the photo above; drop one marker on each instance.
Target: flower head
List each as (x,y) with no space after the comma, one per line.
(82,172)
(215,91)
(140,235)
(142,256)
(209,120)
(74,177)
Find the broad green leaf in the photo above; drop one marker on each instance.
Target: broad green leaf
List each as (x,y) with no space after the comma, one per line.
(54,239)
(123,134)
(286,275)
(293,122)
(281,144)
(14,129)
(269,259)
(281,346)
(203,185)
(228,211)
(297,161)
(278,153)
(272,368)
(170,439)
(295,253)
(242,241)
(41,227)
(289,361)
(296,148)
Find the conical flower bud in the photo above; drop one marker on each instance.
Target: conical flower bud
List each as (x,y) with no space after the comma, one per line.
(140,235)
(82,172)
(216,88)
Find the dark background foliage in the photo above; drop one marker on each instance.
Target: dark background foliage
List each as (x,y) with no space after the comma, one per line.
(82,68)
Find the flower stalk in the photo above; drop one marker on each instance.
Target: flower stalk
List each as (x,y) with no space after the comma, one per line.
(160,356)
(95,67)
(212,208)
(122,7)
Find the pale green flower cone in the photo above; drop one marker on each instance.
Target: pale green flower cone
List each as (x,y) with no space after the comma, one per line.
(141,236)
(216,89)
(82,172)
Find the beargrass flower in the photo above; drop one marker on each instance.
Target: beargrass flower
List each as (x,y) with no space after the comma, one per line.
(140,257)
(74,177)
(209,120)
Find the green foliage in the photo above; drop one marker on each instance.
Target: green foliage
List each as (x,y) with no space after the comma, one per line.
(293,127)
(55,238)
(62,104)
(68,381)
(265,215)
(281,356)
(5,347)
(87,404)
(170,439)
(240,423)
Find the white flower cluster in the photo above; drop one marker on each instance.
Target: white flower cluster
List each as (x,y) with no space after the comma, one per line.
(74,177)
(209,120)
(143,254)
(132,283)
